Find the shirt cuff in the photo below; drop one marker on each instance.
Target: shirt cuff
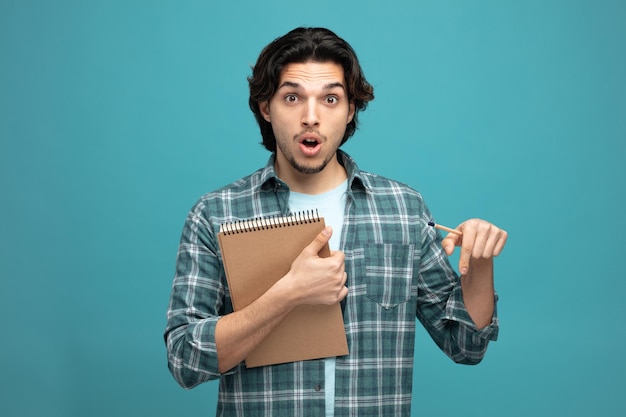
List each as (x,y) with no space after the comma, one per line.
(456,311)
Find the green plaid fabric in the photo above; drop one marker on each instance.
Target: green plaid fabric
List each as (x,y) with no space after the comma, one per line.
(397,272)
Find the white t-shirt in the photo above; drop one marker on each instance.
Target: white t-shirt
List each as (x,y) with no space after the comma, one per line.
(331,206)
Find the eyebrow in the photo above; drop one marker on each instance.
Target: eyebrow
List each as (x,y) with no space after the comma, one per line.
(328,86)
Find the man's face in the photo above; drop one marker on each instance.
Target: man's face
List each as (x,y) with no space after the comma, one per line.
(309,113)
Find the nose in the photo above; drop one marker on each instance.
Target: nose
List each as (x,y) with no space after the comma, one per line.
(310,114)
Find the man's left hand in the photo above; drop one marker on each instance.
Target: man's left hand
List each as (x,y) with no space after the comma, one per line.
(481,240)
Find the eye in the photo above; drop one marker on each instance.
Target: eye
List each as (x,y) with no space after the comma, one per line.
(291,98)
(332,100)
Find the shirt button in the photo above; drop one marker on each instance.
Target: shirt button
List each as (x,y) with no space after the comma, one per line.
(318,387)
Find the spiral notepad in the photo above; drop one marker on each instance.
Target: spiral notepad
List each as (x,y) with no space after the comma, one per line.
(256,253)
(262,223)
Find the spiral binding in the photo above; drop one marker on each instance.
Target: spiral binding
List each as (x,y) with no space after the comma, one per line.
(274,222)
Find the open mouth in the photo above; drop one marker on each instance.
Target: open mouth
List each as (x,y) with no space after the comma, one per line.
(310,145)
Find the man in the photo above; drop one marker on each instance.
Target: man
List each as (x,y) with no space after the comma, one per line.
(387,267)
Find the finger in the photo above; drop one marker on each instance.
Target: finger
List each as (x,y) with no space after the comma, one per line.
(500,243)
(449,242)
(320,240)
(343,293)
(345,279)
(342,289)
(495,243)
(338,254)
(490,246)
(467,245)
(484,232)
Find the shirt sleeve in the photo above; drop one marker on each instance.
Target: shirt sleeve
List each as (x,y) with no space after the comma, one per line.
(441,308)
(196,302)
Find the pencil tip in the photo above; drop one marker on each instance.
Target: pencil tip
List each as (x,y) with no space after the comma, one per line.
(431,224)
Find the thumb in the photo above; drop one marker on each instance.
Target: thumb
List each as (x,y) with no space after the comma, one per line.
(320,240)
(449,242)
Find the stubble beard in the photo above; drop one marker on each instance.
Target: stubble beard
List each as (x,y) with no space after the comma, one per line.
(303,169)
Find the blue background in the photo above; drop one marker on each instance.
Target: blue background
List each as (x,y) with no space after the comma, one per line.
(116,116)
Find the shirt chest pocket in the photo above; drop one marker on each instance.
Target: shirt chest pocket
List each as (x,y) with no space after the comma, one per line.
(389,273)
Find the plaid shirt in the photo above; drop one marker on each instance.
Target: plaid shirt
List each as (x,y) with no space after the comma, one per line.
(397,272)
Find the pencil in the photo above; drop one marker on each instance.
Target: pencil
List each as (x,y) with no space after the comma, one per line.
(444,228)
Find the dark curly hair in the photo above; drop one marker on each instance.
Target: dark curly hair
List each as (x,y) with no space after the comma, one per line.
(298,46)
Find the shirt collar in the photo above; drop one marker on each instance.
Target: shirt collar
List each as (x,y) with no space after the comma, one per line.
(356,179)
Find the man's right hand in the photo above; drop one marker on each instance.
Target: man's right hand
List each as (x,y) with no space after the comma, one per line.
(318,280)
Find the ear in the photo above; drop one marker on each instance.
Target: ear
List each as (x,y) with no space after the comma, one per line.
(264,108)
(351,111)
